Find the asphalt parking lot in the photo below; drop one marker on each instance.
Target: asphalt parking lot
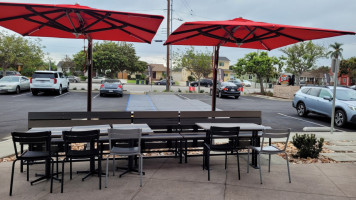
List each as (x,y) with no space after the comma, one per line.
(276,113)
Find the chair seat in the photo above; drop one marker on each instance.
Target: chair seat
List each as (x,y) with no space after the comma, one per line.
(267,149)
(127,151)
(220,147)
(35,155)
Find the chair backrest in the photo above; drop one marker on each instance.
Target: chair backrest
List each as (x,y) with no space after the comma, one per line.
(276,134)
(90,137)
(221,132)
(125,134)
(42,139)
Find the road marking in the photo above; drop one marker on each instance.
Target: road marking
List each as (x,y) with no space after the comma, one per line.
(21,95)
(96,96)
(305,120)
(61,95)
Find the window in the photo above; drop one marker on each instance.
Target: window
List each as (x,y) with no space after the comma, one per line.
(305,90)
(250,77)
(324,93)
(221,63)
(314,92)
(344,80)
(225,74)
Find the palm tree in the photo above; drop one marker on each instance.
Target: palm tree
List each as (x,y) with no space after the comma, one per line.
(337,50)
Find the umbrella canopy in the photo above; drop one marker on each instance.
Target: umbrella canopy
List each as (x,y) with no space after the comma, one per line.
(244,33)
(81,22)
(76,21)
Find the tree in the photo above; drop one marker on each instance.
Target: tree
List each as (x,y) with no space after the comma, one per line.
(302,57)
(197,62)
(67,63)
(109,58)
(348,67)
(337,50)
(258,63)
(16,49)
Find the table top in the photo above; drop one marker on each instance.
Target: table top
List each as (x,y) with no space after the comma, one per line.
(57,131)
(145,128)
(243,126)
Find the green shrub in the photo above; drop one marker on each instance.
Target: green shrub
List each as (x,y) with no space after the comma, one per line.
(154,90)
(82,88)
(74,88)
(191,78)
(83,78)
(28,71)
(307,145)
(179,90)
(201,91)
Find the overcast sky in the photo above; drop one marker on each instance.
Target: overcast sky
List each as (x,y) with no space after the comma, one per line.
(328,14)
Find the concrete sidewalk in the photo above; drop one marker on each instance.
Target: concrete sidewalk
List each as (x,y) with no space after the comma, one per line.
(166,179)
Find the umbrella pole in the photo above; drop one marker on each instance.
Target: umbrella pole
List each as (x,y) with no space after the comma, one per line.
(215,66)
(90,69)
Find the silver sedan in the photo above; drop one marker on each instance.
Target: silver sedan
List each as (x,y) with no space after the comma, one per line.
(14,84)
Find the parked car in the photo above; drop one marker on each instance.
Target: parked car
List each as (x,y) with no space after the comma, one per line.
(14,84)
(353,87)
(203,82)
(48,81)
(73,79)
(237,82)
(111,87)
(227,89)
(98,79)
(163,82)
(314,99)
(247,83)
(10,73)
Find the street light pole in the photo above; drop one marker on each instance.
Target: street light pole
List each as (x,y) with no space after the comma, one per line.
(335,67)
(168,78)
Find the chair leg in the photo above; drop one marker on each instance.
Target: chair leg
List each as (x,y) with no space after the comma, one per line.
(27,170)
(269,162)
(57,158)
(204,157)
(225,160)
(141,167)
(186,151)
(248,160)
(12,176)
(113,165)
(99,171)
(52,175)
(62,175)
(70,168)
(238,164)
(208,163)
(259,166)
(107,172)
(288,168)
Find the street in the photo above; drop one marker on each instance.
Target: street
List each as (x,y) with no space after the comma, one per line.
(275,113)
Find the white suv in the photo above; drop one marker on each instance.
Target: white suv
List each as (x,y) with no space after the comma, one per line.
(48,81)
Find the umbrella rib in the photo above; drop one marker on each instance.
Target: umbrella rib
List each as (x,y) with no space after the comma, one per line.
(122,22)
(195,29)
(97,21)
(49,19)
(106,29)
(71,22)
(41,26)
(30,15)
(285,35)
(231,34)
(212,28)
(254,35)
(248,35)
(216,37)
(47,24)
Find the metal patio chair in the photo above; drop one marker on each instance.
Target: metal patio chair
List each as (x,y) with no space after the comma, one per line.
(270,149)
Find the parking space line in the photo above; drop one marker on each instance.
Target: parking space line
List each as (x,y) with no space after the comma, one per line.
(21,95)
(61,95)
(96,96)
(305,121)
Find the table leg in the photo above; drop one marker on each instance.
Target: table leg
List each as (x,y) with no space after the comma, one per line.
(255,142)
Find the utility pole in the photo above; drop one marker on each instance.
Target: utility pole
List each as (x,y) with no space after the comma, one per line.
(168,78)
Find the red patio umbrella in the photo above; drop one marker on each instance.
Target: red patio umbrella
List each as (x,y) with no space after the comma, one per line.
(79,22)
(244,33)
